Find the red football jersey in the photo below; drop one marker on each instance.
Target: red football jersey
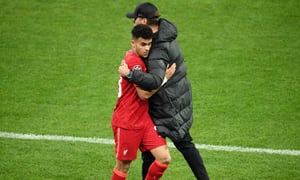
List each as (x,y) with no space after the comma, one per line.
(130,112)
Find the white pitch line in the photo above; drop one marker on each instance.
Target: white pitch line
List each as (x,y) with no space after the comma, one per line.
(111,141)
(56,138)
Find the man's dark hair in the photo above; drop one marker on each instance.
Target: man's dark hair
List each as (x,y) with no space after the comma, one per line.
(153,21)
(142,31)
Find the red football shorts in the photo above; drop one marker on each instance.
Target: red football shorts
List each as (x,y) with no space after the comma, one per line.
(128,141)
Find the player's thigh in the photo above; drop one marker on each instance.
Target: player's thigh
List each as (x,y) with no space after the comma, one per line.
(161,154)
(127,143)
(151,139)
(156,144)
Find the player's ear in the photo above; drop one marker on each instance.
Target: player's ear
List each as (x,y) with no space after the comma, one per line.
(132,42)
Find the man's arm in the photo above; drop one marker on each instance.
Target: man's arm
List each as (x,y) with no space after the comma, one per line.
(147,94)
(147,81)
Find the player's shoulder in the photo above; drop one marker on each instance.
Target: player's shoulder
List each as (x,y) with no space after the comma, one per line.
(132,58)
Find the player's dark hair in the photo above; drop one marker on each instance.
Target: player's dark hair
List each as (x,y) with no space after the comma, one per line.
(142,31)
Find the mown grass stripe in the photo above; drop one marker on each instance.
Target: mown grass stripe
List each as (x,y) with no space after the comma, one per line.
(111,141)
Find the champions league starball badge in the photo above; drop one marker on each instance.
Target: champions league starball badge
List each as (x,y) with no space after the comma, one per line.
(137,67)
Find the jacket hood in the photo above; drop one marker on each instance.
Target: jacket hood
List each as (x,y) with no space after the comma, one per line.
(167,31)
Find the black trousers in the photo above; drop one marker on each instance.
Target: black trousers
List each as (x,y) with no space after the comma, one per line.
(190,154)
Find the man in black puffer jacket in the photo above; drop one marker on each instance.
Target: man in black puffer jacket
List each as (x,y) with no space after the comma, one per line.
(171,107)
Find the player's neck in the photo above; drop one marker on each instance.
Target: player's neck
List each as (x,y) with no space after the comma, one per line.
(133,51)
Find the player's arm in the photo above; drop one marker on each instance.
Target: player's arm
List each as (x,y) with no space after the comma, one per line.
(143,94)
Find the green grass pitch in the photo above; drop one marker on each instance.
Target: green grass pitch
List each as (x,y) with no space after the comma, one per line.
(58,69)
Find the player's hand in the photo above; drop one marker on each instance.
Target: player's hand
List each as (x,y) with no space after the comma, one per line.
(170,71)
(123,69)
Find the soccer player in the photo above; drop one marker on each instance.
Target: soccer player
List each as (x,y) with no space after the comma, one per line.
(131,123)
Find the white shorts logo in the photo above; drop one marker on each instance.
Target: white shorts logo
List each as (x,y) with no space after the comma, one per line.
(125,152)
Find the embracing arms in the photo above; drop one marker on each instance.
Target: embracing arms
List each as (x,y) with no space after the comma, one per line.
(143,94)
(148,83)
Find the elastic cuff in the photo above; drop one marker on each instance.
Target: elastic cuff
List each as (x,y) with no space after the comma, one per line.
(129,75)
(119,173)
(164,81)
(163,166)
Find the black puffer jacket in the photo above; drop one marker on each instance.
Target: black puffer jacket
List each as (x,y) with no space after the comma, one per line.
(171,107)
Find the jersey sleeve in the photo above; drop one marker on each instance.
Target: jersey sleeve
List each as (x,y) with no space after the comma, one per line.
(156,67)
(135,64)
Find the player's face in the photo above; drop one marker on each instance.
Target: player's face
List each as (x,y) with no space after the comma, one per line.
(141,46)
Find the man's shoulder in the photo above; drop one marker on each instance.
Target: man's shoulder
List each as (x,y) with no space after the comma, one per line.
(159,51)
